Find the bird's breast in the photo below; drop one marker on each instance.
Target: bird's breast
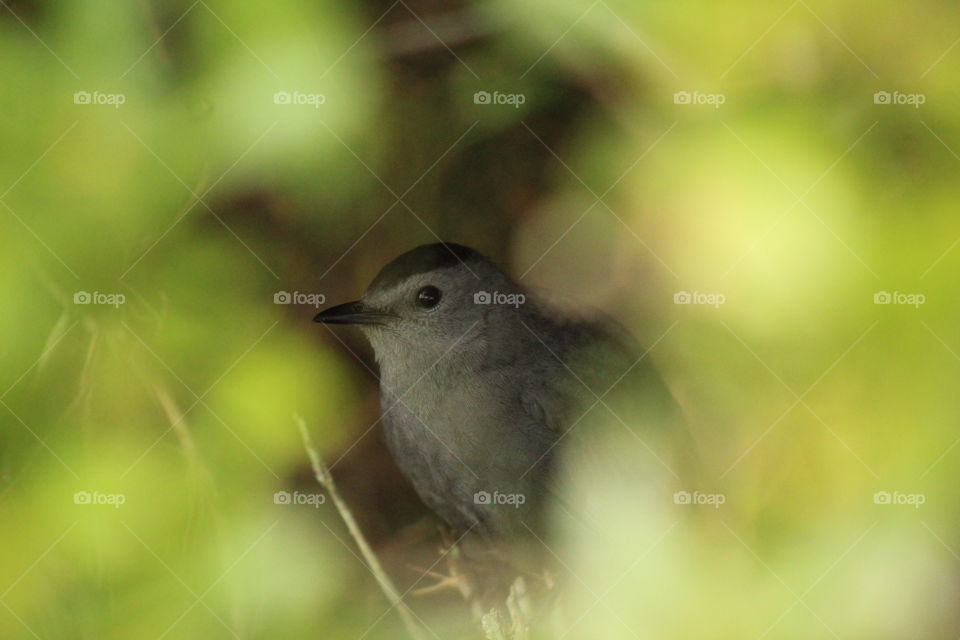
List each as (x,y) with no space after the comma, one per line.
(455,440)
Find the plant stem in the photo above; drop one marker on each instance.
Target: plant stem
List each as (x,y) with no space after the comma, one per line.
(324,477)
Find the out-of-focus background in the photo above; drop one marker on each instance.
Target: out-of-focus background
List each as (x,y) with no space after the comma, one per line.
(764,193)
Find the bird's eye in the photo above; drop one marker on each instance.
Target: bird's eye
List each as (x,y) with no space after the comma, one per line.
(428,297)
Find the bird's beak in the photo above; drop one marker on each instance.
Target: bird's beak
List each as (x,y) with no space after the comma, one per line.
(351,313)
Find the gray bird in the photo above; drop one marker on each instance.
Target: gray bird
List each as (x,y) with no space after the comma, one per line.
(484,385)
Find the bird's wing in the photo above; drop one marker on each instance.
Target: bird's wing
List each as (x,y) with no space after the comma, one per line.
(601,404)
(589,360)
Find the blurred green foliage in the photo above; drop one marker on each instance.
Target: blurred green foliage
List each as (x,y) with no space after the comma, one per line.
(201,196)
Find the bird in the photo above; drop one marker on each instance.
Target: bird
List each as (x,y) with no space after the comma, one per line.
(485,385)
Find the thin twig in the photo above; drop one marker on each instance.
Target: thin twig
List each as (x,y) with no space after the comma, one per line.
(323,476)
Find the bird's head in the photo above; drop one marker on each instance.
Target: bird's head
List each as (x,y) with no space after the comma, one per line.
(427,302)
